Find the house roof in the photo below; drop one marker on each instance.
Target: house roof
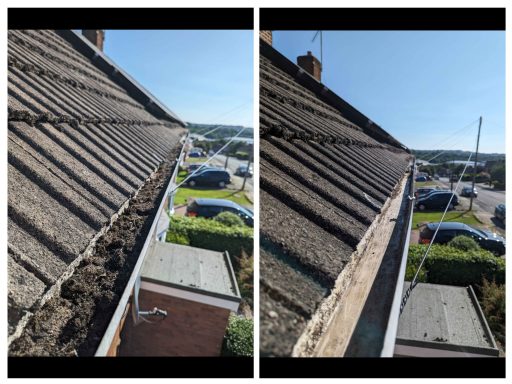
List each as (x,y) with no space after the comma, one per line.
(445,318)
(80,147)
(323,181)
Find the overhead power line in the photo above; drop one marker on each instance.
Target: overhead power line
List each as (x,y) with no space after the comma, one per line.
(448,139)
(415,278)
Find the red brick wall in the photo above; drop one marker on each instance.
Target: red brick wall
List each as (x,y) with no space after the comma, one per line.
(190,329)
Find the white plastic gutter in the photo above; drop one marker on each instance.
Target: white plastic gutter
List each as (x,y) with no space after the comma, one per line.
(388,346)
(109,334)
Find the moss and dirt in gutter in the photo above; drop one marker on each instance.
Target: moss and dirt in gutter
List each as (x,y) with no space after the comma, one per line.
(73,322)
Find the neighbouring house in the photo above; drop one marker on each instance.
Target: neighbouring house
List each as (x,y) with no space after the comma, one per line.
(92,159)
(334,218)
(444,321)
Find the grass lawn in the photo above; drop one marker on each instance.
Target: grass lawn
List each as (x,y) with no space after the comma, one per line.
(192,160)
(421,184)
(465,217)
(184,193)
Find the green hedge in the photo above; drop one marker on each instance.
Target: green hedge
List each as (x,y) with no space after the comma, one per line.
(210,234)
(238,340)
(451,266)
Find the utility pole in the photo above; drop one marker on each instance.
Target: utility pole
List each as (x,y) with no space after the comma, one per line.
(451,176)
(226,163)
(246,173)
(474,168)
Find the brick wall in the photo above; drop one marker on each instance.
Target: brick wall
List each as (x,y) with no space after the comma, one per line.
(190,329)
(266,36)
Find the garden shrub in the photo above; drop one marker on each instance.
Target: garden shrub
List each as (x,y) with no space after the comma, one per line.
(464,243)
(238,340)
(230,219)
(492,301)
(213,235)
(245,278)
(452,266)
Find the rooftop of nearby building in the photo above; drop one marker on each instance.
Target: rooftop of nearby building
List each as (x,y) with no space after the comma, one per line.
(447,318)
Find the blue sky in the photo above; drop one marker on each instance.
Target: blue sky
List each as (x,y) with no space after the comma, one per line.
(202,76)
(420,86)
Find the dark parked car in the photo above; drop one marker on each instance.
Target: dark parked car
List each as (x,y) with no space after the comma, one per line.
(437,201)
(242,170)
(421,178)
(209,176)
(466,191)
(420,192)
(447,231)
(196,154)
(212,207)
(499,212)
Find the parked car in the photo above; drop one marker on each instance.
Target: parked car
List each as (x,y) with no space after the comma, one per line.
(499,212)
(447,231)
(209,176)
(421,178)
(243,170)
(436,177)
(196,154)
(437,201)
(466,191)
(420,192)
(212,207)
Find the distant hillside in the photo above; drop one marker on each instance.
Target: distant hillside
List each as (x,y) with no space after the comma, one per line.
(453,155)
(225,131)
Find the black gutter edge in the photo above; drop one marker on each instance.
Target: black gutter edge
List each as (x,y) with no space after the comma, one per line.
(325,94)
(119,76)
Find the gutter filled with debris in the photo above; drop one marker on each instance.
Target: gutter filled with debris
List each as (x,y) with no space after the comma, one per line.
(78,320)
(109,335)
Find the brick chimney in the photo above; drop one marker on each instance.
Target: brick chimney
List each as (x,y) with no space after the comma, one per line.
(95,36)
(311,65)
(266,36)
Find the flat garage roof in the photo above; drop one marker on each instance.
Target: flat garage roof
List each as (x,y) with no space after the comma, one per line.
(443,320)
(193,269)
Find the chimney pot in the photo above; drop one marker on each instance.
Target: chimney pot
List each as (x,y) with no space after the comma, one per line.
(311,65)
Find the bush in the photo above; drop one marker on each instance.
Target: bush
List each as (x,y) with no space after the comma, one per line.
(177,238)
(230,219)
(413,262)
(463,243)
(211,234)
(451,266)
(492,301)
(240,155)
(245,278)
(238,340)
